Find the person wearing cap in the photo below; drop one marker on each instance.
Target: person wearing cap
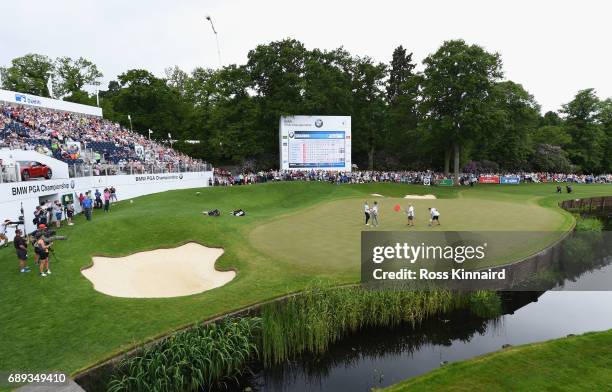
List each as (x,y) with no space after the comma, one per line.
(3,236)
(43,253)
(21,247)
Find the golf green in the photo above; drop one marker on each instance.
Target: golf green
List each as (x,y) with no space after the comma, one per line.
(326,237)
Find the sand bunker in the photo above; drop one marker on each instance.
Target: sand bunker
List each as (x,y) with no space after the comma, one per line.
(376,195)
(420,197)
(162,273)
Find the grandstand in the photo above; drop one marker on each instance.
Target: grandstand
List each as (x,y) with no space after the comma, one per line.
(84,139)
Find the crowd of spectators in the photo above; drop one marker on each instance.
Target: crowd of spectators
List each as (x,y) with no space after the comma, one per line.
(65,135)
(227,178)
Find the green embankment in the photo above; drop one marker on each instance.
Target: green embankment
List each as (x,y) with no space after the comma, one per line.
(578,363)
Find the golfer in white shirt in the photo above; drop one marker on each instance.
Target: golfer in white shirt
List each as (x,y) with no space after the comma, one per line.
(410,215)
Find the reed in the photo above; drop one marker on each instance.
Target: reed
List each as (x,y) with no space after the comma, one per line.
(322,315)
(200,358)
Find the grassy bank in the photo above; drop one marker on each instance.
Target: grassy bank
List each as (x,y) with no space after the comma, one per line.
(578,363)
(62,323)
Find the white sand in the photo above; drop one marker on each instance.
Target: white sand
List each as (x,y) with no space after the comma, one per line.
(376,194)
(420,197)
(162,273)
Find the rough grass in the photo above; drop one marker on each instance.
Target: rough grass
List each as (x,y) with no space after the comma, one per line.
(579,363)
(62,323)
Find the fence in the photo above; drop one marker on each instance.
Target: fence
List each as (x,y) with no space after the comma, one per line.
(103,169)
(592,205)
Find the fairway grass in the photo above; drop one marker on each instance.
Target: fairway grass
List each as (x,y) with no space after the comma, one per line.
(578,363)
(62,323)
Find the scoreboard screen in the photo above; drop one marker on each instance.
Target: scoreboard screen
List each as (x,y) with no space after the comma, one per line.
(315,142)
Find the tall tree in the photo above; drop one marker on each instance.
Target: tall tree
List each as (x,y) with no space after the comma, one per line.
(277,72)
(368,107)
(71,76)
(402,98)
(28,74)
(588,139)
(517,115)
(457,90)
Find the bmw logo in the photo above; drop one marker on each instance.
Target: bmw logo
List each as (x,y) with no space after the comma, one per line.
(319,123)
(291,134)
(181,176)
(72,184)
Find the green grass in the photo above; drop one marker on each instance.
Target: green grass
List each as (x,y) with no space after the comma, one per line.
(579,363)
(62,323)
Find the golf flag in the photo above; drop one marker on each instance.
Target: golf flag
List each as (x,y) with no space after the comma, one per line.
(98,98)
(397,208)
(150,131)
(169,136)
(130,118)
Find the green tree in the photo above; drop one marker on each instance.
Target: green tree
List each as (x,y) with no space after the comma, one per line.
(588,139)
(71,76)
(277,73)
(402,95)
(457,93)
(513,118)
(368,108)
(151,103)
(233,118)
(28,74)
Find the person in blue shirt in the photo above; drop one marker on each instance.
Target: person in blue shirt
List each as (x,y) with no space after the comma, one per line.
(87,205)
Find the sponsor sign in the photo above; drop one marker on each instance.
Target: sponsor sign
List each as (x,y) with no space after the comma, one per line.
(159,177)
(510,180)
(34,189)
(488,179)
(444,182)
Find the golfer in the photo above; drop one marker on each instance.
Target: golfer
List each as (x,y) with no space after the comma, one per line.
(374,214)
(410,215)
(434,216)
(21,247)
(366,209)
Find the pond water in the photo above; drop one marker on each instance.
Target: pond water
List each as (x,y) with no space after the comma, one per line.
(380,357)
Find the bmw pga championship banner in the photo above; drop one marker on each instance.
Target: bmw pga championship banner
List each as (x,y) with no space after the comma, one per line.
(315,142)
(514,180)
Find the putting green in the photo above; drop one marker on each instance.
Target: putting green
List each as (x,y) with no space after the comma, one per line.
(327,237)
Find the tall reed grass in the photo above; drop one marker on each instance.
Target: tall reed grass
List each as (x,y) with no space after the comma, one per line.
(309,322)
(197,359)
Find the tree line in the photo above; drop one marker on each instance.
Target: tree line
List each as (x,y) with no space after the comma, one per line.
(458,113)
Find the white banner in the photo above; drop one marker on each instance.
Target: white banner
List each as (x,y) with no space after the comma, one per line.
(56,104)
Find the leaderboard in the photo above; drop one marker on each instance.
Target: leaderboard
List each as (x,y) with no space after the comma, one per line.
(315,142)
(317,149)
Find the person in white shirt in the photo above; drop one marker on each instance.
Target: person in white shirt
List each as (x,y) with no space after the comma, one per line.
(410,215)
(374,214)
(366,209)
(434,216)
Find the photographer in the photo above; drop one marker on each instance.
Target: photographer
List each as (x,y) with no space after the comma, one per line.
(21,247)
(3,236)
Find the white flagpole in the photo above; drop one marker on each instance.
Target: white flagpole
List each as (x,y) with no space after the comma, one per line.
(97,97)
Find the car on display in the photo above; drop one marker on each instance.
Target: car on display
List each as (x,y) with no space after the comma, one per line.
(35,169)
